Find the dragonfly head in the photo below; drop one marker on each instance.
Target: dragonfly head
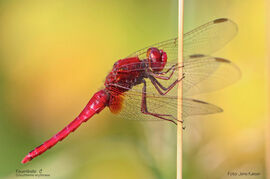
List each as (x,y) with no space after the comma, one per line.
(157,59)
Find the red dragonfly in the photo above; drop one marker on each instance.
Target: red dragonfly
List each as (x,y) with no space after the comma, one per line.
(133,89)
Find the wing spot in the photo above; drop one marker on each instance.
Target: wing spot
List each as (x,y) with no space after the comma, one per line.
(198,101)
(220,20)
(222,60)
(196,56)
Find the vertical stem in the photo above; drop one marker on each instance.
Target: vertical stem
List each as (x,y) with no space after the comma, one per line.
(180,94)
(267,129)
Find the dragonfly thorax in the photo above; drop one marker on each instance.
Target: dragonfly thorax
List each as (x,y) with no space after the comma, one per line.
(157,59)
(125,74)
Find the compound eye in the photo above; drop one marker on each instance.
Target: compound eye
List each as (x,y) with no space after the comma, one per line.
(156,58)
(153,54)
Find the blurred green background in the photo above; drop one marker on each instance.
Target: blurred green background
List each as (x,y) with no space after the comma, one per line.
(56,54)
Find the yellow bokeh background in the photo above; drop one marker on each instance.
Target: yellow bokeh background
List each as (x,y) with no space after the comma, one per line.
(56,54)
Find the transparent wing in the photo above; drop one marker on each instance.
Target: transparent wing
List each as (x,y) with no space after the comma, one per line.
(205,39)
(210,37)
(205,74)
(194,107)
(131,109)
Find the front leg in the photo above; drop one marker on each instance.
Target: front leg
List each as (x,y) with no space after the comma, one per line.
(159,75)
(164,73)
(158,85)
(144,109)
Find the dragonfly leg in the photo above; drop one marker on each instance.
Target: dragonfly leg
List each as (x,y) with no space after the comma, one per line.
(165,72)
(158,85)
(159,75)
(144,109)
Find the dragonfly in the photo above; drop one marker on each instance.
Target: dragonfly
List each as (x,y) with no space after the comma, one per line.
(143,86)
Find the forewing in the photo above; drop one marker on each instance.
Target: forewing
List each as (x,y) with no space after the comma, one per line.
(210,37)
(205,39)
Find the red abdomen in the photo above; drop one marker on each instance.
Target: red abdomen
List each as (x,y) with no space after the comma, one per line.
(94,106)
